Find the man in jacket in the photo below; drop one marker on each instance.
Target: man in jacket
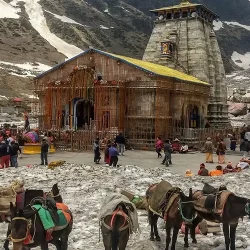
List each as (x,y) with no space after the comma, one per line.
(209,148)
(120,141)
(113,153)
(244,148)
(14,154)
(44,152)
(168,153)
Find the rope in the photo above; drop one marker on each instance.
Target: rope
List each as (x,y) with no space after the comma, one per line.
(181,212)
(116,212)
(34,226)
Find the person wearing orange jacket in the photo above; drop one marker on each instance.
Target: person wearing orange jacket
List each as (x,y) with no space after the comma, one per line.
(218,171)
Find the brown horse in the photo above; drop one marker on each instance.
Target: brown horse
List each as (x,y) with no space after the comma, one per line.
(28,196)
(180,210)
(235,207)
(115,229)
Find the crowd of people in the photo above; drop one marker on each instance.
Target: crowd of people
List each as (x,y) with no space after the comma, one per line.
(219,170)
(112,149)
(169,148)
(9,149)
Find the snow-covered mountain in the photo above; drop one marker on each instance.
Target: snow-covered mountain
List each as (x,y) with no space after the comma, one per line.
(35,35)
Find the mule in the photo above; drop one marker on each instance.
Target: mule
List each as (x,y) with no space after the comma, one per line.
(28,196)
(115,229)
(27,222)
(181,210)
(235,207)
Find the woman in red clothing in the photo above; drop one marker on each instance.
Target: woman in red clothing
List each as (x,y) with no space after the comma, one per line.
(158,146)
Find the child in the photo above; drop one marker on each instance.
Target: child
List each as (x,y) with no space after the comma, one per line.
(97,153)
(189,173)
(44,152)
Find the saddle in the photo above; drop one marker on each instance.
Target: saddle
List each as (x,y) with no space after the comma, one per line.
(212,195)
(161,196)
(208,189)
(210,199)
(48,204)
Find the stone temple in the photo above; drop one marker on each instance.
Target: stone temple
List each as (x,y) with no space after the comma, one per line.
(183,39)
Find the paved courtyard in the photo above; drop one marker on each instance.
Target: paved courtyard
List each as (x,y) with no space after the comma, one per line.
(144,159)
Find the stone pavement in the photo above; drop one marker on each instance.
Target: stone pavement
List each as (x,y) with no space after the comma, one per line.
(144,159)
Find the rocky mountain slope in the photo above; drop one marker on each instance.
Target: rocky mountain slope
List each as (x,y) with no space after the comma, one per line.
(47,32)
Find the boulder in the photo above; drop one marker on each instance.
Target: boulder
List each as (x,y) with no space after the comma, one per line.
(237,109)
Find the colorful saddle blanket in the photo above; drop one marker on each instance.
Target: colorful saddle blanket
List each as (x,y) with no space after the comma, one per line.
(64,215)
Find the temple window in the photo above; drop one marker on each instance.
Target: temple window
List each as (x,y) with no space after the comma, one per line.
(176,15)
(169,16)
(167,48)
(184,14)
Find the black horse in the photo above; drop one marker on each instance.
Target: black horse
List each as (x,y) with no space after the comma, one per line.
(27,221)
(181,210)
(235,207)
(28,196)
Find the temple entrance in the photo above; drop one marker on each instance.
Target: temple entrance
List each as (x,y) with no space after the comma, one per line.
(83,113)
(193,117)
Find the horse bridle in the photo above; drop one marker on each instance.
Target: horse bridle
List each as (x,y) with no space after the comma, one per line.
(181,212)
(29,224)
(52,194)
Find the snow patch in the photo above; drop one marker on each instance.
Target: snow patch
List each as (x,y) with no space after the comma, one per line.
(8,11)
(29,66)
(241,78)
(218,25)
(104,27)
(242,61)
(239,25)
(2,97)
(30,96)
(231,75)
(27,69)
(38,21)
(65,19)
(106,11)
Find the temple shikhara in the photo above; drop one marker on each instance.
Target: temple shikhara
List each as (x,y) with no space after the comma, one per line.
(183,39)
(179,83)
